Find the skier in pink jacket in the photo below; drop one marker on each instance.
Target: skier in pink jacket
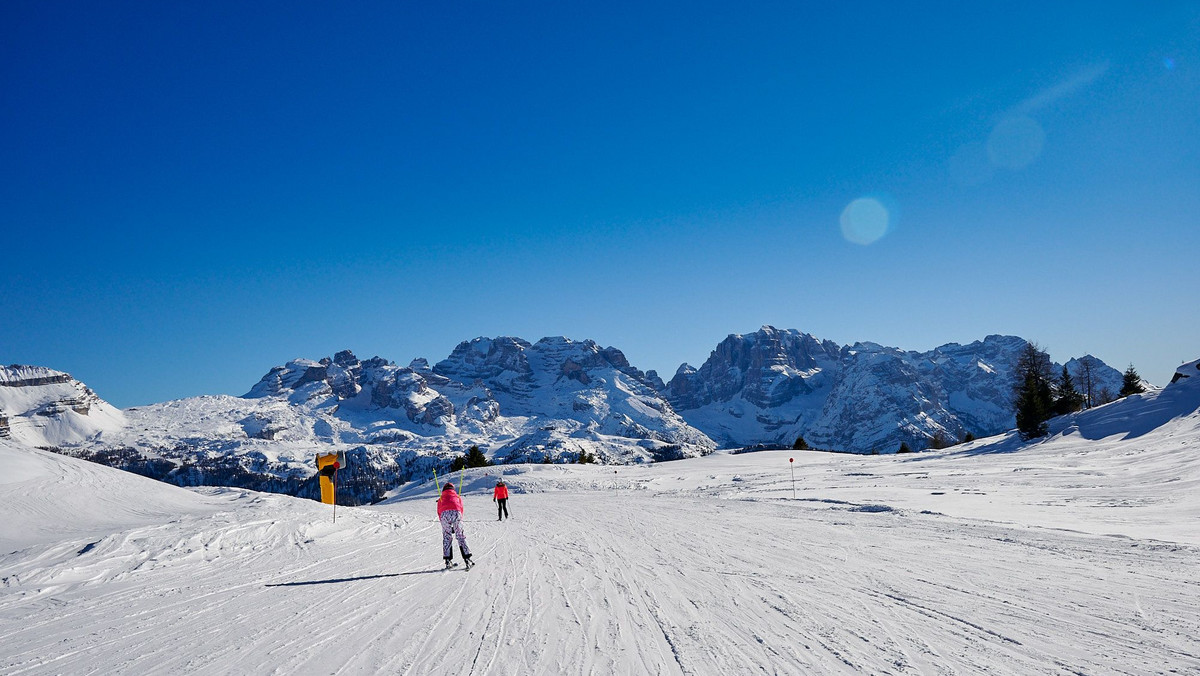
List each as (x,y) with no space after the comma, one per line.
(450,511)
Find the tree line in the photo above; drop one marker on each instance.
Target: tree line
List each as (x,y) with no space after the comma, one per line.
(1040,394)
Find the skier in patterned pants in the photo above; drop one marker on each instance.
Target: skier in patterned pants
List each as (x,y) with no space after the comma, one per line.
(450,511)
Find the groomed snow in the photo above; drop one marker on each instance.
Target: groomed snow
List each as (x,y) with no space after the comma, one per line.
(1076,555)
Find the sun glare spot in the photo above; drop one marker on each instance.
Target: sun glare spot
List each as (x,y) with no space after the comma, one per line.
(864,221)
(1016,142)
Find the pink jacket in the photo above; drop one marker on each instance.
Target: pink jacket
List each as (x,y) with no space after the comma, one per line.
(449,502)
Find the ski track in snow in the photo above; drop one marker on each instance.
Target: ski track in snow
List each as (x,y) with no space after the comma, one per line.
(601,581)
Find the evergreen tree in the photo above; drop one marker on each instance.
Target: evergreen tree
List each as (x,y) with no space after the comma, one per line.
(1069,399)
(939,440)
(968,438)
(476,458)
(800,445)
(1033,408)
(1131,383)
(458,463)
(904,448)
(1033,395)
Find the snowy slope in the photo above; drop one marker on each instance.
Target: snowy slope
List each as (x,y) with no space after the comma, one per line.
(50,498)
(1074,554)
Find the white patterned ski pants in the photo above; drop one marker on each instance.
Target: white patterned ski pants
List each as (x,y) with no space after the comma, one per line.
(451,528)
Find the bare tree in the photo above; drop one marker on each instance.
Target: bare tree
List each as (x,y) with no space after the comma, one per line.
(1085,372)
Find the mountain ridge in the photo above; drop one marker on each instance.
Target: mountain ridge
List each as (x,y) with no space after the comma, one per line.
(551,401)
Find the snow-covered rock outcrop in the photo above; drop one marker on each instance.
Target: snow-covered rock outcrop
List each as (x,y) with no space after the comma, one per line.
(44,407)
(772,386)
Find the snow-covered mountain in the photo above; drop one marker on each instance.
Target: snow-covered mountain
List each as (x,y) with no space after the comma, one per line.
(44,407)
(772,386)
(553,400)
(1071,554)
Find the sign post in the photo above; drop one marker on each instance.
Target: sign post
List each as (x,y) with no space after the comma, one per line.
(327,467)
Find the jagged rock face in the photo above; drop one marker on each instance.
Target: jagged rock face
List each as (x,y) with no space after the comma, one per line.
(879,400)
(407,390)
(588,397)
(584,389)
(344,378)
(501,363)
(522,374)
(772,386)
(767,368)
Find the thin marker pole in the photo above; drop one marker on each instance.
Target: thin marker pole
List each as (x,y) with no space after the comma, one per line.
(790,466)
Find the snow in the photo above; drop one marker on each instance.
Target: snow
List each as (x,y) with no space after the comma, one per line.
(49,498)
(45,407)
(1073,554)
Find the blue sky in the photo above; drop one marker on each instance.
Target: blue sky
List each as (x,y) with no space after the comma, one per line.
(192,194)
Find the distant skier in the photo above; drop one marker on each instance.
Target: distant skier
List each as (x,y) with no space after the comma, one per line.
(450,511)
(500,497)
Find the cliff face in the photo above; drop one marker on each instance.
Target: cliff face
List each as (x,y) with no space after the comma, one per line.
(44,407)
(772,386)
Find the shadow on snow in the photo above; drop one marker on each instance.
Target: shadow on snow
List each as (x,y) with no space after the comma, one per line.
(354,579)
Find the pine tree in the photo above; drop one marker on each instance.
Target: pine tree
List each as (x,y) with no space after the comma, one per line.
(939,440)
(800,445)
(1033,395)
(1131,382)
(476,458)
(1033,408)
(1069,399)
(904,448)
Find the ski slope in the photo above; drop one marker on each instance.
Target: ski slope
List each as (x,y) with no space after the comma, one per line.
(1076,555)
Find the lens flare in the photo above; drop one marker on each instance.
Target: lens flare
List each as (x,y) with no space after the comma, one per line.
(1016,142)
(864,221)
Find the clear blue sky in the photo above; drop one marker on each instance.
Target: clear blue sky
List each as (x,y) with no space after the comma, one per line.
(191,193)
